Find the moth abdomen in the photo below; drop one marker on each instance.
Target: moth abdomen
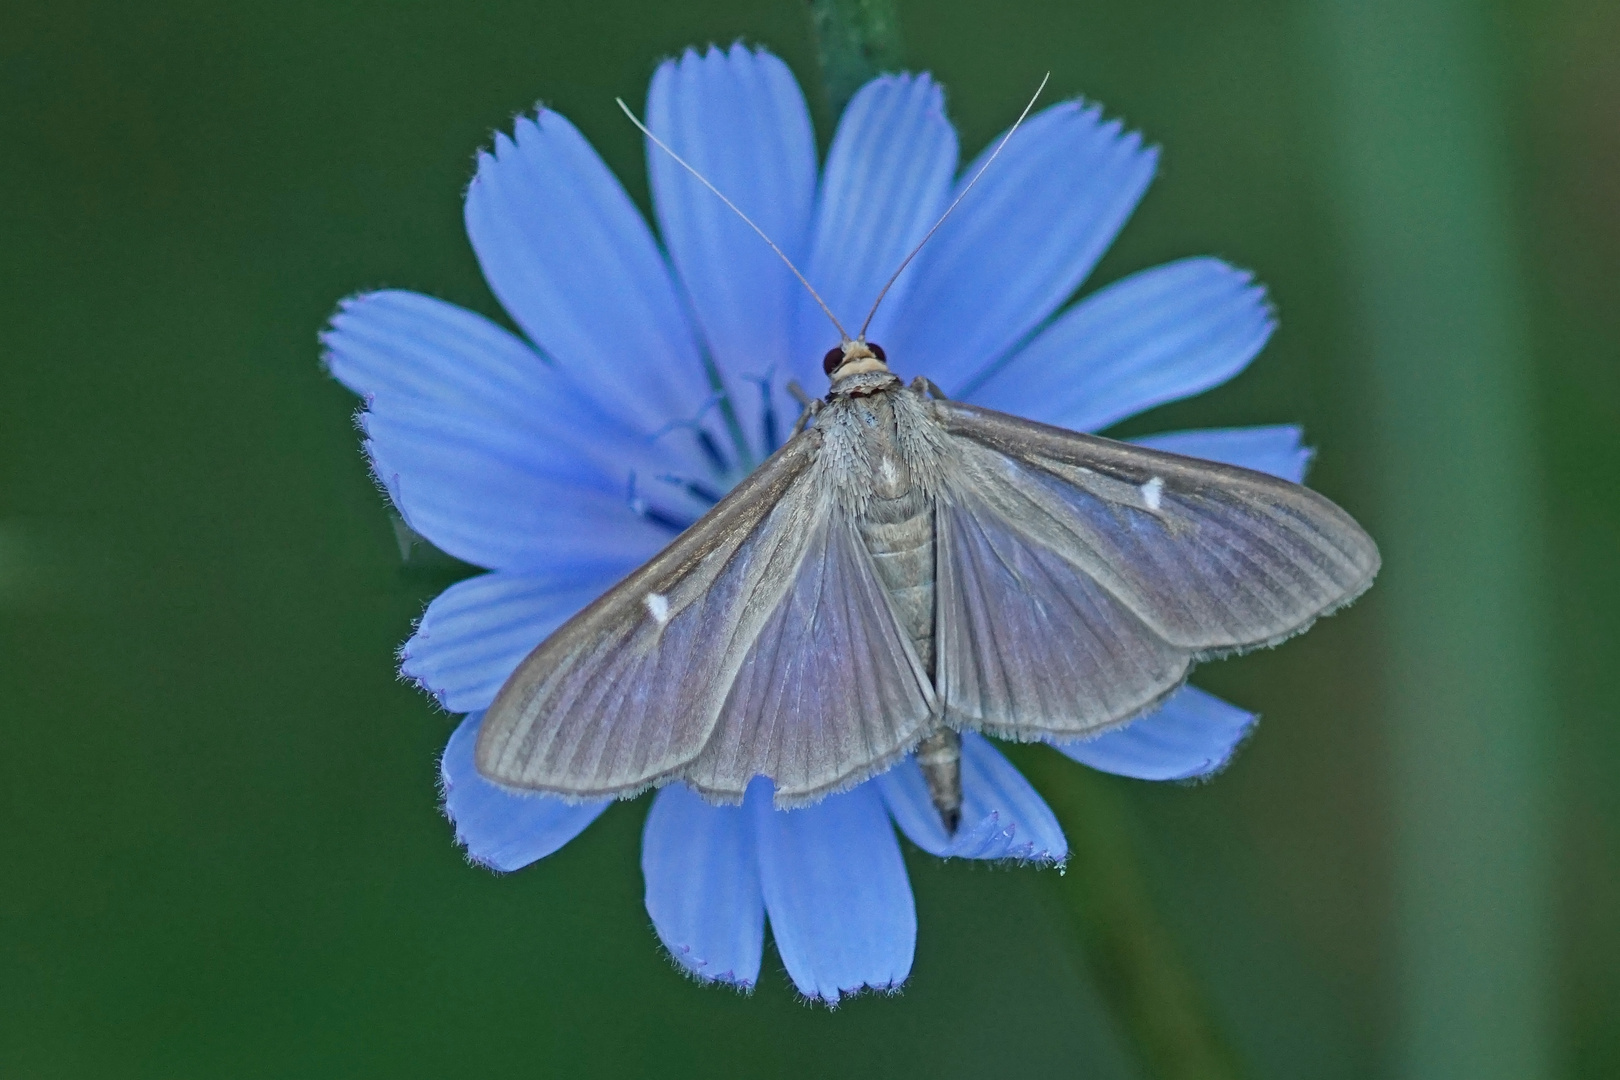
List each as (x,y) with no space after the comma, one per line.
(896,521)
(903,553)
(940,758)
(896,517)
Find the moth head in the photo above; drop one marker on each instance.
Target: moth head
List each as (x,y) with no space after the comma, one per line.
(854,358)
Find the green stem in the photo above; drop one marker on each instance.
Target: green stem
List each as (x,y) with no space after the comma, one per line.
(856,39)
(1417,175)
(1131,953)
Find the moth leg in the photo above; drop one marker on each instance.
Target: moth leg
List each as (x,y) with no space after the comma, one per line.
(811,407)
(922,384)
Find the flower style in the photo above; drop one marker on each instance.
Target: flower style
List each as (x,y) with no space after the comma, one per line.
(651,380)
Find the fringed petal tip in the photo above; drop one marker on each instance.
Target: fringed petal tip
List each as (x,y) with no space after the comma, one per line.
(831,1000)
(1216,765)
(688,963)
(995,840)
(438,697)
(1009,819)
(1000,841)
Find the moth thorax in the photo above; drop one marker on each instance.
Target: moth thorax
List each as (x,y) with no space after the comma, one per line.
(853,358)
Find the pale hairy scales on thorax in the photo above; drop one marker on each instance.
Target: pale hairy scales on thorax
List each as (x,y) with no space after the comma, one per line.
(886,455)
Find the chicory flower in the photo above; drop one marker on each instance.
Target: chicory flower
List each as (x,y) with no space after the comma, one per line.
(652,376)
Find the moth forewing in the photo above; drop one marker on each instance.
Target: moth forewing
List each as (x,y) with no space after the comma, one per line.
(760,642)
(626,692)
(1215,557)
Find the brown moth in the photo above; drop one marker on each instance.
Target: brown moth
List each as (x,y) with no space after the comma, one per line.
(903,569)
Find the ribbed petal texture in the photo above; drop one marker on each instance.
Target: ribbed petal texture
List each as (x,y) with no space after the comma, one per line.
(888,174)
(836,890)
(571,259)
(1020,244)
(488,451)
(1156,336)
(736,116)
(703,886)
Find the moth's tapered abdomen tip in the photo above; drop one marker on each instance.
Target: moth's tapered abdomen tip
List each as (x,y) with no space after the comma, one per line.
(952,818)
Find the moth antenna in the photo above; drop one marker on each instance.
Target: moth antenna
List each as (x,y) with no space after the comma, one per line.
(842,333)
(929,235)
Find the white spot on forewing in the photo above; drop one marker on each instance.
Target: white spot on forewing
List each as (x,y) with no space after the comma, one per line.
(657,607)
(1152,491)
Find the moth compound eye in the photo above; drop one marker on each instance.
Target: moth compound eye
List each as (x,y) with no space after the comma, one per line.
(834,357)
(877,351)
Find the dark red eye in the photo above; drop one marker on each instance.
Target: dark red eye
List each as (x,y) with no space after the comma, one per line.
(834,357)
(877,351)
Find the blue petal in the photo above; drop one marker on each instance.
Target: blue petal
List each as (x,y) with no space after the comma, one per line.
(1192,734)
(1277,449)
(571,259)
(836,890)
(487,450)
(475,632)
(1002,816)
(736,116)
(1158,335)
(1020,243)
(887,177)
(502,829)
(703,886)
(395,347)
(491,497)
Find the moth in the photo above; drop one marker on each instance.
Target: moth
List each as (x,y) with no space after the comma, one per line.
(903,569)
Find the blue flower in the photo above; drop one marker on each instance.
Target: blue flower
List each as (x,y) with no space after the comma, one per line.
(650,379)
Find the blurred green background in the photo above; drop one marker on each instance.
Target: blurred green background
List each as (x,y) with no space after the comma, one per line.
(220,851)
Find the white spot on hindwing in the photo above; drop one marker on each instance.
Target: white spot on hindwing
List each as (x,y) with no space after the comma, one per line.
(657,607)
(1152,491)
